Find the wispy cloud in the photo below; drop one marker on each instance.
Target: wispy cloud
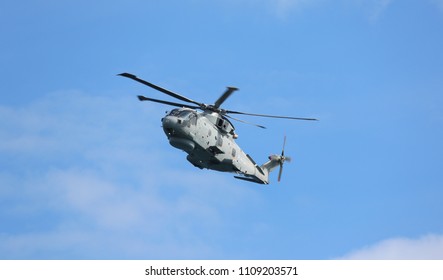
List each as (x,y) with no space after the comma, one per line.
(426,247)
(284,7)
(379,7)
(373,8)
(281,9)
(439,3)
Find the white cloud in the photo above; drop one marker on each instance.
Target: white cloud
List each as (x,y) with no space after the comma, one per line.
(98,218)
(427,247)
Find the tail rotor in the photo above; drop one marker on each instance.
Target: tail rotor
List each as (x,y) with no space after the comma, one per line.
(282,159)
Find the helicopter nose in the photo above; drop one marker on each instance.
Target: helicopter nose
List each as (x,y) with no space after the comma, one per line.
(166,121)
(168,124)
(171,125)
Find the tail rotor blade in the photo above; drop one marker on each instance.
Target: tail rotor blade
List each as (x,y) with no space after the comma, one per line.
(283,149)
(280,171)
(282,159)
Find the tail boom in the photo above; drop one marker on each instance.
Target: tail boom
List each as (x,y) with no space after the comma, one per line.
(261,175)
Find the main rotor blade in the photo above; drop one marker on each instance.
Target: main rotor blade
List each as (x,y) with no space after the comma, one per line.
(168,92)
(261,126)
(143,98)
(224,96)
(270,116)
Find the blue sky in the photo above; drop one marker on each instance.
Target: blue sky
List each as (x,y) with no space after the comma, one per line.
(87,173)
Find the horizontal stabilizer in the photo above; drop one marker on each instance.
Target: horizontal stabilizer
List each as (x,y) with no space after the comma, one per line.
(249,179)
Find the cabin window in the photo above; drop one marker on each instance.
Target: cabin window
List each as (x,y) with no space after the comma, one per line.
(234,152)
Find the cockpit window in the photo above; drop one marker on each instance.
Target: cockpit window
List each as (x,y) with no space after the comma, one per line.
(174,112)
(184,114)
(180,113)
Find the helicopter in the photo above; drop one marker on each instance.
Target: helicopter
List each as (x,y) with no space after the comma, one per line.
(206,134)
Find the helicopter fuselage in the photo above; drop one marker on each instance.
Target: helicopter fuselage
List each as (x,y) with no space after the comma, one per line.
(209,140)
(208,136)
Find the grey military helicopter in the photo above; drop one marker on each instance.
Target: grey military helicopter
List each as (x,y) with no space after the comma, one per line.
(208,137)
